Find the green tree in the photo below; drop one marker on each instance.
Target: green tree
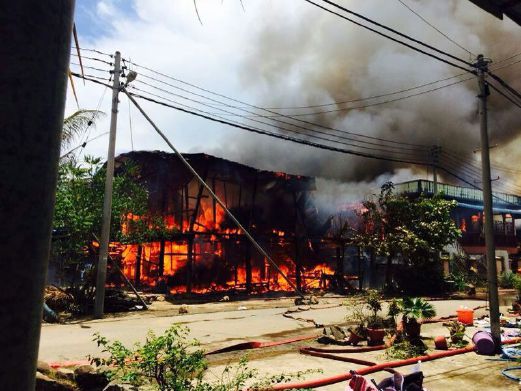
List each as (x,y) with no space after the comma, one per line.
(77,123)
(414,229)
(78,214)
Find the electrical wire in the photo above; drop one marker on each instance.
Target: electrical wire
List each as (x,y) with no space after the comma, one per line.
(284,129)
(93,59)
(280,136)
(374,104)
(338,103)
(391,38)
(226,112)
(504,95)
(303,142)
(260,108)
(504,84)
(94,51)
(435,28)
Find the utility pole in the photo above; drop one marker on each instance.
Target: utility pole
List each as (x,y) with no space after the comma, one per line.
(35,50)
(482,67)
(101,276)
(435,154)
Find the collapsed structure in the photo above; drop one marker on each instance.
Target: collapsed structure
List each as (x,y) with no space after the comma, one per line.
(204,251)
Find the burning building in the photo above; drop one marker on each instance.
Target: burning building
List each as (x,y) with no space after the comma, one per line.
(204,250)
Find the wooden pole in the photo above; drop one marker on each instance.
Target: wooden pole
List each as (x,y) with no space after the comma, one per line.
(137,273)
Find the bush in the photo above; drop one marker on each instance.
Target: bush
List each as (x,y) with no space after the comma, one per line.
(172,362)
(507,279)
(405,349)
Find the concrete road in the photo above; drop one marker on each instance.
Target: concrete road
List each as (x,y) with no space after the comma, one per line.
(217,325)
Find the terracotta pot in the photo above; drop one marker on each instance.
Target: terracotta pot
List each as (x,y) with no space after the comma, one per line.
(412,329)
(440,343)
(375,336)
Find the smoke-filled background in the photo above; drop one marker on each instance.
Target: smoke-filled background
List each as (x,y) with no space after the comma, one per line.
(282,54)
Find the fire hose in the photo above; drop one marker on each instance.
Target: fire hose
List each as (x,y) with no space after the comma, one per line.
(258,344)
(314,383)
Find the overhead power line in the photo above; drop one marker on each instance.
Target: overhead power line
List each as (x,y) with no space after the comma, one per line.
(435,28)
(354,134)
(361,144)
(513,101)
(311,135)
(410,46)
(301,141)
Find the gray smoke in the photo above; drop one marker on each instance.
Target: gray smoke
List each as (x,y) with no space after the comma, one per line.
(305,56)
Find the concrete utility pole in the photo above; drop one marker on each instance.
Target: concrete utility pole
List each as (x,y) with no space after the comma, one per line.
(435,153)
(101,276)
(34,61)
(482,67)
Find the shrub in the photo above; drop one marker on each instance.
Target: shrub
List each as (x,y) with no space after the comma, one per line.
(405,349)
(507,279)
(172,362)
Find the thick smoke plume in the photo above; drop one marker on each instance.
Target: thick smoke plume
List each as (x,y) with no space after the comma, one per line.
(306,56)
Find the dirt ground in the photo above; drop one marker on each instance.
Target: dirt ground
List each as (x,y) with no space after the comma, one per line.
(218,325)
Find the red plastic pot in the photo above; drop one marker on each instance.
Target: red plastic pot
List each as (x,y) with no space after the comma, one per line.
(375,336)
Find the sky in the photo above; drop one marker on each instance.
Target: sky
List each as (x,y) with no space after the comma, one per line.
(284,53)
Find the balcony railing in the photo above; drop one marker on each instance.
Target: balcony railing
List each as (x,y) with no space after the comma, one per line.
(451,191)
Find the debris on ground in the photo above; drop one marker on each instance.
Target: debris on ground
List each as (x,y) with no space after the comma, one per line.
(334,335)
(306,300)
(183,309)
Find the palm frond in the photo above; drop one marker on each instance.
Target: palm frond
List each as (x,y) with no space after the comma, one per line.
(77,124)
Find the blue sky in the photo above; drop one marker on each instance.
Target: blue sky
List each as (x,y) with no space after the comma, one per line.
(89,16)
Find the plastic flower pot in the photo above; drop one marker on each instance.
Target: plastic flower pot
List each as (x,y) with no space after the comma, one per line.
(375,336)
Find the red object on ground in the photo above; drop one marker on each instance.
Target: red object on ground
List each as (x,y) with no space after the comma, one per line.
(440,342)
(257,344)
(313,383)
(466,316)
(376,368)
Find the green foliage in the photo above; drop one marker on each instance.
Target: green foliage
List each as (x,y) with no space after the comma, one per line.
(405,349)
(172,362)
(457,333)
(416,308)
(79,205)
(78,216)
(414,229)
(169,360)
(373,302)
(77,123)
(398,225)
(507,279)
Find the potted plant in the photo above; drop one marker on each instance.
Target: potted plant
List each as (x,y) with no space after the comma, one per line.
(374,322)
(516,283)
(457,333)
(358,332)
(413,311)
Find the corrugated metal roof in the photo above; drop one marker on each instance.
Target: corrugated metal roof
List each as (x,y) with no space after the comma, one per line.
(498,8)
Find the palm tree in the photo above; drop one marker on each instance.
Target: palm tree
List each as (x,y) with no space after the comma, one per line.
(76,124)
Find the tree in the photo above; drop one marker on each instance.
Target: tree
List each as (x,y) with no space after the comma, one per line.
(414,229)
(76,124)
(78,211)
